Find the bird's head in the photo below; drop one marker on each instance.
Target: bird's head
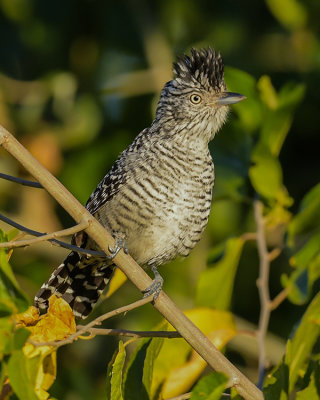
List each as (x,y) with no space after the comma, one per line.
(197,100)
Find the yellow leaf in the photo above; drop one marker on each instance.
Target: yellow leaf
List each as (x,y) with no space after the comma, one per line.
(181,372)
(57,324)
(117,280)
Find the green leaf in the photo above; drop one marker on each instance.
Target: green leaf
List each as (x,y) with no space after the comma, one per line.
(12,299)
(215,285)
(138,377)
(6,331)
(115,373)
(20,337)
(268,93)
(266,174)
(298,285)
(299,349)
(250,111)
(309,216)
(152,353)
(210,387)
(291,13)
(22,373)
(276,384)
(311,392)
(308,252)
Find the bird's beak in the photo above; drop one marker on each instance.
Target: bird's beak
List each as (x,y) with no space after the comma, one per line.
(229,98)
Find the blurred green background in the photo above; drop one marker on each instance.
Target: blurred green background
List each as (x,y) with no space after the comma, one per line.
(80,79)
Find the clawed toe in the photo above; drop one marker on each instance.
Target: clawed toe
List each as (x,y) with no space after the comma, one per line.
(120,244)
(155,287)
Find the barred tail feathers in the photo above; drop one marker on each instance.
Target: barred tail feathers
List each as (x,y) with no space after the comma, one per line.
(79,281)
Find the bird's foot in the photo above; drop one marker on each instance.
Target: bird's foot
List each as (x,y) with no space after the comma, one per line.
(120,244)
(155,287)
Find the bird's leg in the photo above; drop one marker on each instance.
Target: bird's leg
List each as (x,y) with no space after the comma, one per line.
(120,244)
(156,285)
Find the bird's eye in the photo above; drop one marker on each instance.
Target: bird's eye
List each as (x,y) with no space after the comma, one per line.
(195,99)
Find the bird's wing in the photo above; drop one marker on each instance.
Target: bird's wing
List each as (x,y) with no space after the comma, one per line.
(117,176)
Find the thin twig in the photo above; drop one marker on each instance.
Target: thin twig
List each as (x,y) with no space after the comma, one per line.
(280,297)
(273,254)
(249,236)
(263,286)
(28,242)
(81,329)
(131,269)
(134,334)
(53,241)
(21,181)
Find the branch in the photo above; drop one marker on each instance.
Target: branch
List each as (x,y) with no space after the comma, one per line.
(130,268)
(27,242)
(97,321)
(53,241)
(134,334)
(280,297)
(21,181)
(263,286)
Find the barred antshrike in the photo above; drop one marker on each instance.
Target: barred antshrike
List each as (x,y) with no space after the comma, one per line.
(156,198)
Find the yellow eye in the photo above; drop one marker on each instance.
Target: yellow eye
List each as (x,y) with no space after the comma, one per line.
(195,99)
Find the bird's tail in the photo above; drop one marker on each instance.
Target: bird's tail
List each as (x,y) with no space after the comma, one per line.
(79,281)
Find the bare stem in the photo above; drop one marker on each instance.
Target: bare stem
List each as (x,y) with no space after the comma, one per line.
(263,287)
(27,242)
(130,268)
(134,334)
(21,181)
(53,241)
(280,297)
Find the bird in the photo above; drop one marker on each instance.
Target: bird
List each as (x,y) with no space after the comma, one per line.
(156,198)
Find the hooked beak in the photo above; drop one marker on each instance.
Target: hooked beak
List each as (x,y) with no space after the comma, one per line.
(230,98)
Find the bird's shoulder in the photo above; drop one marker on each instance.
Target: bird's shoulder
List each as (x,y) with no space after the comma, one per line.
(118,174)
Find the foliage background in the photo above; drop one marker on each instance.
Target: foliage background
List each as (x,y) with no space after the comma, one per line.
(79,80)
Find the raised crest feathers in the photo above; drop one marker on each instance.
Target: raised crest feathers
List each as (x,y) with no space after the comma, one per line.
(204,66)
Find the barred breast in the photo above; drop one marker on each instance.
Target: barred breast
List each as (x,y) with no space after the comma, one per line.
(164,206)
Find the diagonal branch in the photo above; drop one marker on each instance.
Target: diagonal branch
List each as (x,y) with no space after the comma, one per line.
(133,271)
(21,181)
(27,242)
(53,241)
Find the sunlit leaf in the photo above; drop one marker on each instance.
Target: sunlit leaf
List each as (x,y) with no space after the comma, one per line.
(22,373)
(215,285)
(182,369)
(118,279)
(308,217)
(303,257)
(266,174)
(299,348)
(276,384)
(291,13)
(249,111)
(210,387)
(11,297)
(115,373)
(138,377)
(268,92)
(57,324)
(311,392)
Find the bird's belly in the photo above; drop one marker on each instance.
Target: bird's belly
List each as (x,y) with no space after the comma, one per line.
(168,235)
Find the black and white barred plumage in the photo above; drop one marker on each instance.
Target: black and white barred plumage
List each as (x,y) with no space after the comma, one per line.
(157,196)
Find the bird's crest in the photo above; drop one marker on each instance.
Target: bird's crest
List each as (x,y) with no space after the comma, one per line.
(204,67)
